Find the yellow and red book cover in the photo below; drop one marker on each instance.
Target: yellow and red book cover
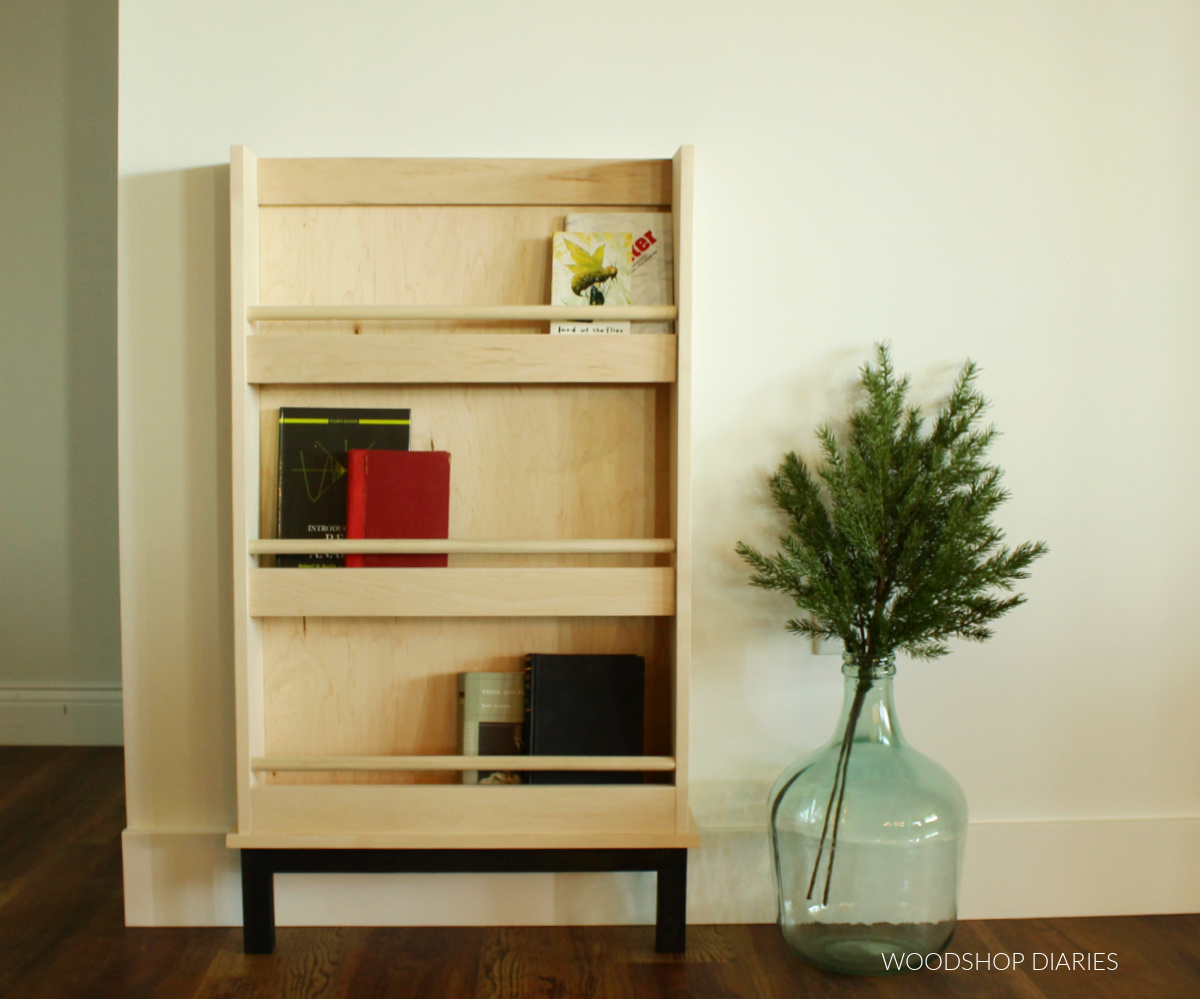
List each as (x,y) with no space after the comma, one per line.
(590,268)
(397,494)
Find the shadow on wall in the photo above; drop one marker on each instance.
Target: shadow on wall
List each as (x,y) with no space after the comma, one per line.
(760,697)
(744,660)
(175,498)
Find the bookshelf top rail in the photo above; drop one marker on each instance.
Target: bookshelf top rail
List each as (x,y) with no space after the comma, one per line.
(375,181)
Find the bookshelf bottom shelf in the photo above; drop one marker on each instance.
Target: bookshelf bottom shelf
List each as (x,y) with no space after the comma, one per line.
(260,865)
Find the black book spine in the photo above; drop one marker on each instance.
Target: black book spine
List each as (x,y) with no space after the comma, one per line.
(527,728)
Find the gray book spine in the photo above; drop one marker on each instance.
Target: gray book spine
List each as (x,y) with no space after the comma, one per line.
(491,710)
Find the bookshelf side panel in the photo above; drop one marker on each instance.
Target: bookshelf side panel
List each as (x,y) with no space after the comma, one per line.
(680,473)
(247,636)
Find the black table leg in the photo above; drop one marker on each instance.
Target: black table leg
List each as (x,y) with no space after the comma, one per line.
(258,902)
(670,932)
(259,867)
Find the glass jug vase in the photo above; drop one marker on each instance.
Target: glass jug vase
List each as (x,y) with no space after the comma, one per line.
(867,838)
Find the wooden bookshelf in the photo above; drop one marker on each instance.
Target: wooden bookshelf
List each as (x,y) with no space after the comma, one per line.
(419,284)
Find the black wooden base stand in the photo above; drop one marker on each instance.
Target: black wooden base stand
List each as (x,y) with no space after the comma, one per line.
(259,867)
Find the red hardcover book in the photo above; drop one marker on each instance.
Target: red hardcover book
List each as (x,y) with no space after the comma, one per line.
(397,494)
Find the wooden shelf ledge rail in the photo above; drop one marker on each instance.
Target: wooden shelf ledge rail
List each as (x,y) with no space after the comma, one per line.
(438,546)
(469,313)
(299,353)
(331,764)
(511,591)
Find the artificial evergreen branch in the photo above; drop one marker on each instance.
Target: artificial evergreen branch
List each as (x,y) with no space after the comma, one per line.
(890,545)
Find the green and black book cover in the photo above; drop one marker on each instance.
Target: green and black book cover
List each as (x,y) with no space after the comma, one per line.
(584,705)
(313,443)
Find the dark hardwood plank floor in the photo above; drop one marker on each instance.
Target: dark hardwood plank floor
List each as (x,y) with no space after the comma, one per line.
(62,935)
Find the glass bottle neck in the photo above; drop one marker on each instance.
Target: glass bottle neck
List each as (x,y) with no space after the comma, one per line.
(868,692)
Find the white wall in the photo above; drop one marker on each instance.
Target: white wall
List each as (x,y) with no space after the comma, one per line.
(60,655)
(1012,182)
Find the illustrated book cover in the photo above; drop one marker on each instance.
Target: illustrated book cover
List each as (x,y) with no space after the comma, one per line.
(313,448)
(591,268)
(652,277)
(397,494)
(491,713)
(584,705)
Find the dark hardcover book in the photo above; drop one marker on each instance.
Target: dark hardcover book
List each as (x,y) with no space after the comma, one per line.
(313,448)
(584,705)
(491,713)
(397,494)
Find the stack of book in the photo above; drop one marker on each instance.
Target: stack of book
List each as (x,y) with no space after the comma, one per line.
(348,473)
(560,705)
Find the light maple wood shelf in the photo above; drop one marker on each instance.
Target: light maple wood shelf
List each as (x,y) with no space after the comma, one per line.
(345,679)
(320,357)
(483,811)
(508,839)
(467,592)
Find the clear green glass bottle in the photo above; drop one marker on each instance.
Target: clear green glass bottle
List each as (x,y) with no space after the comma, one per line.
(868,856)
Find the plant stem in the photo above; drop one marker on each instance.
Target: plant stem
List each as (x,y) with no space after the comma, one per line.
(837,773)
(837,793)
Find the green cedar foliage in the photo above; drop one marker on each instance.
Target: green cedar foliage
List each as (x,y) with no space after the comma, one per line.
(890,545)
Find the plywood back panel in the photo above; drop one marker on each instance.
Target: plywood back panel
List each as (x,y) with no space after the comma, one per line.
(379,687)
(428,255)
(527,461)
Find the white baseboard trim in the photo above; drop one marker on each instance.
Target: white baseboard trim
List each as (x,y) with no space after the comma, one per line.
(187,877)
(180,877)
(1094,867)
(1013,870)
(60,715)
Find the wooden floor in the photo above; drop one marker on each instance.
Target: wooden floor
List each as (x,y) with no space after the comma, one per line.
(61,934)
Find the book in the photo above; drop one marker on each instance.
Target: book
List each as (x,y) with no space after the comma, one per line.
(591,268)
(397,494)
(313,448)
(491,712)
(584,705)
(652,272)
